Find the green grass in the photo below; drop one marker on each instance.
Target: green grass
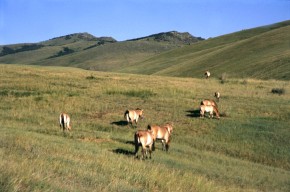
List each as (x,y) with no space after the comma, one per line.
(246,150)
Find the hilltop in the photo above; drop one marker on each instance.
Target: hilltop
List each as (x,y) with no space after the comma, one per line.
(260,53)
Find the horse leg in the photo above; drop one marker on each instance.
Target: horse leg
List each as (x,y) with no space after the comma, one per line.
(167,145)
(136,150)
(153,146)
(150,151)
(163,145)
(63,127)
(136,122)
(143,152)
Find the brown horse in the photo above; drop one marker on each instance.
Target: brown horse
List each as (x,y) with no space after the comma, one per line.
(208,102)
(207,74)
(64,121)
(133,115)
(217,95)
(209,109)
(162,133)
(144,138)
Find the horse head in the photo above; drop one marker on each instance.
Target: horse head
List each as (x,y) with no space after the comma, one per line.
(140,113)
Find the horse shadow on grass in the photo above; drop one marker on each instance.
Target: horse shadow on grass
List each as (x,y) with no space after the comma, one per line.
(193,113)
(124,152)
(120,123)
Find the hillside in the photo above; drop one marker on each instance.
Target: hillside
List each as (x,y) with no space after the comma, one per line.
(261,53)
(85,51)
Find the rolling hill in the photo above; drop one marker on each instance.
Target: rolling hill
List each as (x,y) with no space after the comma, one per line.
(261,53)
(88,52)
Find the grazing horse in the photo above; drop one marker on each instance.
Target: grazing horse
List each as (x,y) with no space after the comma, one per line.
(64,121)
(145,138)
(162,133)
(207,74)
(217,95)
(208,102)
(209,109)
(133,115)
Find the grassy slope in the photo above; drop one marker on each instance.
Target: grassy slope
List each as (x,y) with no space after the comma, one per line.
(257,53)
(110,57)
(88,54)
(247,150)
(261,53)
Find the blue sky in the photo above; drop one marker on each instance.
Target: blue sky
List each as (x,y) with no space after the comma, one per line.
(31,21)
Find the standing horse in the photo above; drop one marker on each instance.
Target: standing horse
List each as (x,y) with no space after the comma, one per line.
(217,95)
(145,138)
(64,121)
(207,74)
(162,133)
(133,115)
(208,102)
(209,109)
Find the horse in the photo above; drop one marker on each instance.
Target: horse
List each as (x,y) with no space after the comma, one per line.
(145,138)
(162,133)
(209,109)
(64,121)
(208,102)
(207,74)
(133,115)
(217,95)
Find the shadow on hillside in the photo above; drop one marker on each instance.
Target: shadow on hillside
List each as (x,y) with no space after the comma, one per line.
(123,152)
(120,123)
(193,113)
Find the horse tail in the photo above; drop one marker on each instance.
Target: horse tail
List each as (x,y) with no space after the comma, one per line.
(126,115)
(136,141)
(61,121)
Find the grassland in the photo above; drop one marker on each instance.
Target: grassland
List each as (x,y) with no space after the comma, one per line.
(246,150)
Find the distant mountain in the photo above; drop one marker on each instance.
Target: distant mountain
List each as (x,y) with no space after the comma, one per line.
(95,53)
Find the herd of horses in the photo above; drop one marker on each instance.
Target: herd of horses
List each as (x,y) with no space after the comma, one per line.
(147,138)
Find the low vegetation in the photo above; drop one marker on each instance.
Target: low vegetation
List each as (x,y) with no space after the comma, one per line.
(246,150)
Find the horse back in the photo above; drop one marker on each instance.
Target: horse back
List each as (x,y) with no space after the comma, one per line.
(144,137)
(159,132)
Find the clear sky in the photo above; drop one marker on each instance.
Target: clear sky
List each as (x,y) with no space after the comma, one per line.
(31,21)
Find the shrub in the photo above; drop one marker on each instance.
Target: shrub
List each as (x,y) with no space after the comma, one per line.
(278,91)
(224,78)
